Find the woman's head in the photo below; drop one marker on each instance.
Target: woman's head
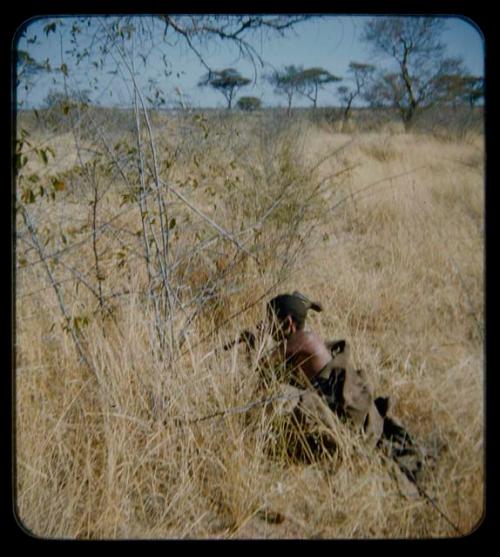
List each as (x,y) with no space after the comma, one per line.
(288,311)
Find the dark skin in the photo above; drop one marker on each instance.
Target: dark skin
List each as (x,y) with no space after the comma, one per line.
(304,350)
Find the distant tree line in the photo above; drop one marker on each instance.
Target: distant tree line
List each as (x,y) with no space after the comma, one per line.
(413,72)
(420,76)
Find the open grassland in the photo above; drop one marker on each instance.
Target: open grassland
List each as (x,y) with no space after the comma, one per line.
(385,229)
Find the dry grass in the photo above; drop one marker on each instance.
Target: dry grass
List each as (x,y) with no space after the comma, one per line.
(399,268)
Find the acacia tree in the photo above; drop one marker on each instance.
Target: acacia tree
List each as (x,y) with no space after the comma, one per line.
(313,79)
(466,89)
(472,89)
(226,81)
(287,82)
(413,44)
(359,75)
(249,103)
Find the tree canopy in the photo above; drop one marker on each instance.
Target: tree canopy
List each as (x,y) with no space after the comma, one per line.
(420,66)
(249,103)
(312,79)
(226,81)
(287,82)
(293,80)
(359,75)
(463,88)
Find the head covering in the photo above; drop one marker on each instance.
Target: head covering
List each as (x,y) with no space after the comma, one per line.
(296,305)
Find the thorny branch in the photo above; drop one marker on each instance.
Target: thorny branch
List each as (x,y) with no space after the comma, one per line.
(229,28)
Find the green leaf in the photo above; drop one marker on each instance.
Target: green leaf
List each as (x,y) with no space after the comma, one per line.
(21,161)
(172,223)
(28,196)
(51,27)
(79,322)
(42,153)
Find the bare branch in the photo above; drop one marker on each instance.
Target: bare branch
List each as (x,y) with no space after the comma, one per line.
(205,217)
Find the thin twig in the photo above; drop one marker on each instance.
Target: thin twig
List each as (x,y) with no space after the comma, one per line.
(200,213)
(60,300)
(430,500)
(245,308)
(235,409)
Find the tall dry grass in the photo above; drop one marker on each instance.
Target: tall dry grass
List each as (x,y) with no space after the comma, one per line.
(391,243)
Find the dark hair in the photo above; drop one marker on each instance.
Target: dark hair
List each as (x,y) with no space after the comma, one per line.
(295,305)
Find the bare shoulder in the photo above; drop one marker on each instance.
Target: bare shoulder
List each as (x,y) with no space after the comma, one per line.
(304,341)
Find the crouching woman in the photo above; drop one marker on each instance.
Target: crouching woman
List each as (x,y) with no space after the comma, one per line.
(320,381)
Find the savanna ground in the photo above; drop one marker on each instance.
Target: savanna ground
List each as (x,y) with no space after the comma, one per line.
(139,254)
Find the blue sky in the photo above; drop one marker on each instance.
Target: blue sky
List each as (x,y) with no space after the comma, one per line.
(331,42)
